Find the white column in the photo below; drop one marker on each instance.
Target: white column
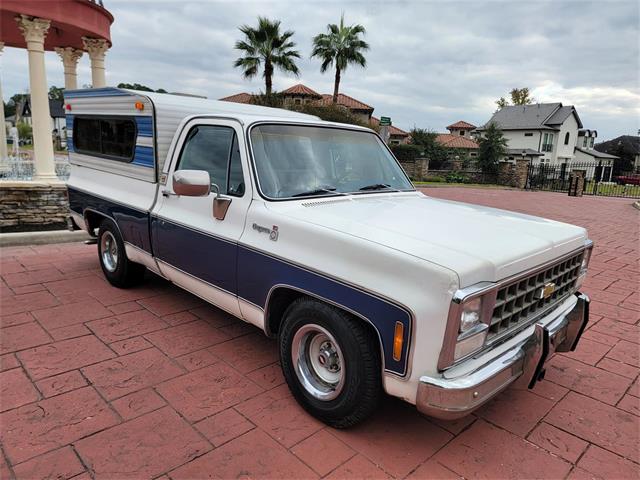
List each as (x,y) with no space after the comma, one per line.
(3,127)
(34,31)
(96,48)
(70,57)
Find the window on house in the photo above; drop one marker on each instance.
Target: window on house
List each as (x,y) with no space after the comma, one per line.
(547,142)
(462,133)
(528,134)
(566,138)
(113,138)
(215,150)
(584,142)
(591,142)
(297,101)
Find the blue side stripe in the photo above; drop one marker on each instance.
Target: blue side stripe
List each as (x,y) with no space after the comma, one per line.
(145,126)
(134,224)
(69,125)
(143,156)
(246,272)
(96,92)
(258,273)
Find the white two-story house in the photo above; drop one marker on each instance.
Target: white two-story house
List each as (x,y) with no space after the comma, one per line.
(546,131)
(550,133)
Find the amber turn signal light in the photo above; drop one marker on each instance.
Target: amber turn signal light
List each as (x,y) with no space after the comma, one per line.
(398,339)
(139,106)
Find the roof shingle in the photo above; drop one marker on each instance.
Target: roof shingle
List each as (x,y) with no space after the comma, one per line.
(461,125)
(346,101)
(449,140)
(302,90)
(238,98)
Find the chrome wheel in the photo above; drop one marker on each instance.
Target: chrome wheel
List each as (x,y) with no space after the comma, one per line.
(109,251)
(318,362)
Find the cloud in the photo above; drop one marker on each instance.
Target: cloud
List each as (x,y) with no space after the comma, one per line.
(431,63)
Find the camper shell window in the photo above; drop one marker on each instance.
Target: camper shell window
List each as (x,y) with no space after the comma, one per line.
(109,137)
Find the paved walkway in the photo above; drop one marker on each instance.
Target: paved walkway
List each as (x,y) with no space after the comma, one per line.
(106,383)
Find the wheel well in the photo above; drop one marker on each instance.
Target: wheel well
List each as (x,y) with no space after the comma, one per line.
(282,297)
(93,220)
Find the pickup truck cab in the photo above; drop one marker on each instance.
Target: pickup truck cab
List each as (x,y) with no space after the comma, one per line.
(312,232)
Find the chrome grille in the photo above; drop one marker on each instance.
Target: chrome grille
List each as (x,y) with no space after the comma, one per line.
(520,301)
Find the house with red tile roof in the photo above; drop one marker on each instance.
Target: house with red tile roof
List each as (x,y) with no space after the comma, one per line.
(300,94)
(459,137)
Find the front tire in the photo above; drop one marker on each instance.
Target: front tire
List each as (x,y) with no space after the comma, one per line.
(331,362)
(119,270)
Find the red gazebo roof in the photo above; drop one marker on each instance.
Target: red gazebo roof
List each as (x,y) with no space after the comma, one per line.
(70,21)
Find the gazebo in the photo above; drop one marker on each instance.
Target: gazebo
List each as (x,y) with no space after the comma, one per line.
(68,27)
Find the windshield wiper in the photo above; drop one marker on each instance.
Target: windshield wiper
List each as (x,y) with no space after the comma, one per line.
(315,191)
(377,186)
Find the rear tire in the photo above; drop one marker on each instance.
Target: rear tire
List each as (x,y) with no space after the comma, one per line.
(331,362)
(119,270)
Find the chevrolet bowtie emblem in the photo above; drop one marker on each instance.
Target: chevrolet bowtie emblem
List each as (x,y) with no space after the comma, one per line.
(546,291)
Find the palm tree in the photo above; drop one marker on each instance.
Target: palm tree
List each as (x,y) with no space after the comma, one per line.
(266,47)
(341,46)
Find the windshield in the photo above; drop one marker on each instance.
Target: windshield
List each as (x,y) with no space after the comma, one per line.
(298,161)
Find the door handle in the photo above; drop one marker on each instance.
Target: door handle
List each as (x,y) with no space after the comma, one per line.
(168,193)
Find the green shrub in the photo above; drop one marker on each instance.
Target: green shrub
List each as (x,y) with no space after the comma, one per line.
(456,177)
(406,153)
(330,113)
(435,179)
(25,132)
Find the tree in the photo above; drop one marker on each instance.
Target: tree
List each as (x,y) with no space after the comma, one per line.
(15,100)
(493,147)
(55,93)
(427,141)
(341,46)
(266,47)
(519,96)
(142,88)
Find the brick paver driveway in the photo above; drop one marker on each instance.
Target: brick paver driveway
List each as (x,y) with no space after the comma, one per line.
(106,383)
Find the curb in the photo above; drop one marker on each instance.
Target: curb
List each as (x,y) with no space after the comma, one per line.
(40,238)
(636,205)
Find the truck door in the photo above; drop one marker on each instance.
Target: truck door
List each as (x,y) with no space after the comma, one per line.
(195,249)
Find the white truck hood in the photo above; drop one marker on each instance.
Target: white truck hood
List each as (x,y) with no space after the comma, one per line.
(478,243)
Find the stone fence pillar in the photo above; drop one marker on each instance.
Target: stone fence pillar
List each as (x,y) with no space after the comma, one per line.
(521,172)
(576,183)
(506,175)
(421,168)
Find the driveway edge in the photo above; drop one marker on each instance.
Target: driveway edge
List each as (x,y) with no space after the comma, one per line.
(15,239)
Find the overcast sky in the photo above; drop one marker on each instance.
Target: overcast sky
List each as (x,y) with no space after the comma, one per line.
(431,63)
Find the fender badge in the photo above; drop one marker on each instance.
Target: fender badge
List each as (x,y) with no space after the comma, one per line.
(273,232)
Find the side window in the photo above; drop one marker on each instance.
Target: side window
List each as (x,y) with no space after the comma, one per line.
(114,138)
(215,150)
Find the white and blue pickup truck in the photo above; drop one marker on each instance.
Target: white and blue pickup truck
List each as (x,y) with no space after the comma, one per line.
(312,232)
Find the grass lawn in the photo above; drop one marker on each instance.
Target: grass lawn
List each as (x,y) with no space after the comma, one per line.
(613,190)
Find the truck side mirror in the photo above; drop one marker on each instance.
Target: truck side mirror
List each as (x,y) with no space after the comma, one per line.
(191,183)
(220,203)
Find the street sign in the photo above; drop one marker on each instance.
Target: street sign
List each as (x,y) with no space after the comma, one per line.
(385,121)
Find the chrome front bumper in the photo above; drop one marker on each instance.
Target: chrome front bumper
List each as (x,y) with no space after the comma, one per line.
(456,397)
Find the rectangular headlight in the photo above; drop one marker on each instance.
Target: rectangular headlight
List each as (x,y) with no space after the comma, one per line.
(586,258)
(468,322)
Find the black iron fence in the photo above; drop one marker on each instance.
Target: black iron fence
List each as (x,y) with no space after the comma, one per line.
(599,179)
